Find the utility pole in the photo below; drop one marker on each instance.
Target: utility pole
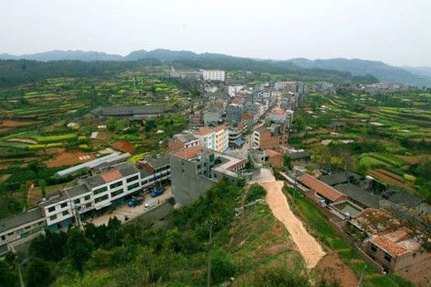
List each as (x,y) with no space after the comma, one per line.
(209,256)
(362,276)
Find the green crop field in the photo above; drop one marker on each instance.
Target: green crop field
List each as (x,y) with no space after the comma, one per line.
(364,132)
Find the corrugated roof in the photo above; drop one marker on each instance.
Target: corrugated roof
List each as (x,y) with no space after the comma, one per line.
(159,162)
(362,196)
(322,188)
(126,169)
(77,190)
(20,219)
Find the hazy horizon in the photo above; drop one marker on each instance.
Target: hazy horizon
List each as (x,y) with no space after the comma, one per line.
(394,32)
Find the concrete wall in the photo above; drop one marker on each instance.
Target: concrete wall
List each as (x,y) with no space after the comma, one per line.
(187,184)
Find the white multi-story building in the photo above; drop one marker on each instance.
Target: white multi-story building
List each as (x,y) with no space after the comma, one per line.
(213,75)
(216,139)
(97,192)
(64,208)
(232,90)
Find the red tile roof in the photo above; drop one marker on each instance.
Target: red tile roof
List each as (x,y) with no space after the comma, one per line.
(396,243)
(203,131)
(188,153)
(111,175)
(271,153)
(278,112)
(321,188)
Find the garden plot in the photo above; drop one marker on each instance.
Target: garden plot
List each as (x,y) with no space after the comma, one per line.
(68,158)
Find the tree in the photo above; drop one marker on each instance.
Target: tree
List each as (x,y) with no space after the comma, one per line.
(39,274)
(7,278)
(287,162)
(42,185)
(222,267)
(78,248)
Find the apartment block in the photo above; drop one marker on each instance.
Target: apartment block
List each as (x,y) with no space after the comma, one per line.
(181,141)
(195,169)
(272,137)
(216,138)
(213,75)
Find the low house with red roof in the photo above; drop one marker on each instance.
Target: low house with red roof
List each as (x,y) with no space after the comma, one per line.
(321,189)
(401,253)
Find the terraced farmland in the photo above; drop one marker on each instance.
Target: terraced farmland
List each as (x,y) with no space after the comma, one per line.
(386,136)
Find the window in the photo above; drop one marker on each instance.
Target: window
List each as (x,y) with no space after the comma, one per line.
(132,186)
(3,237)
(388,257)
(100,190)
(65,213)
(116,184)
(117,192)
(53,217)
(87,197)
(51,209)
(77,201)
(88,205)
(132,178)
(63,205)
(373,248)
(102,198)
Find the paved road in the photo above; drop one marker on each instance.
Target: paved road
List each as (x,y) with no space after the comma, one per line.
(131,212)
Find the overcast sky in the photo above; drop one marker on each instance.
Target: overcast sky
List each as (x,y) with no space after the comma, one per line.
(394,31)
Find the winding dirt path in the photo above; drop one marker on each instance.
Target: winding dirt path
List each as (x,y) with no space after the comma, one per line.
(307,245)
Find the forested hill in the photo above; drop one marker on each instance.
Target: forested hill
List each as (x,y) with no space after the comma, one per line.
(14,72)
(382,71)
(339,68)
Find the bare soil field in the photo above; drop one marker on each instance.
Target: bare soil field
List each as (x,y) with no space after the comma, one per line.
(390,178)
(307,245)
(333,268)
(124,146)
(14,124)
(412,159)
(4,177)
(68,158)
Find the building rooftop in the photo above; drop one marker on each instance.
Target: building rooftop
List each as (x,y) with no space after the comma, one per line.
(362,196)
(320,187)
(130,111)
(77,190)
(271,153)
(374,221)
(126,169)
(185,137)
(158,162)
(53,199)
(188,153)
(279,112)
(396,243)
(94,181)
(111,175)
(203,131)
(20,219)
(403,198)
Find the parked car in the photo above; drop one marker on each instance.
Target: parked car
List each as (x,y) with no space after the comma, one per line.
(151,203)
(135,201)
(157,191)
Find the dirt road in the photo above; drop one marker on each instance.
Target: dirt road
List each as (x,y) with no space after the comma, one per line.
(309,248)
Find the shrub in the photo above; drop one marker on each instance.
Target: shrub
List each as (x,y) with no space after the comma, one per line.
(255,192)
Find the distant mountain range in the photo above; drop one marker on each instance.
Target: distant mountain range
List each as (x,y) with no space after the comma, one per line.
(357,67)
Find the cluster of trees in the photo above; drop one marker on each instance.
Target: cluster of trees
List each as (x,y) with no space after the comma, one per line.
(135,251)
